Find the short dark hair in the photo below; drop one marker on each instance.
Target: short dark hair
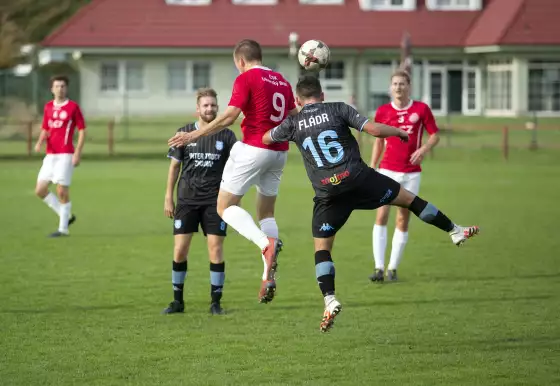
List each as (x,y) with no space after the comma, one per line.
(205,92)
(248,49)
(60,78)
(401,73)
(308,87)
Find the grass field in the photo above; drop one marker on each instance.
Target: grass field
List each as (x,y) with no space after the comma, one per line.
(86,309)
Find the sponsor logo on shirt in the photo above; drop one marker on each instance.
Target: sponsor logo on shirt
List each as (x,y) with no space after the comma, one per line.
(336,178)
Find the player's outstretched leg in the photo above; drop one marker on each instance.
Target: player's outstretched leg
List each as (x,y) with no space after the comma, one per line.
(432,215)
(240,220)
(265,212)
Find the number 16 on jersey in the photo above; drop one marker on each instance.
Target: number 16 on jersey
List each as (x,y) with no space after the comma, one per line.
(332,150)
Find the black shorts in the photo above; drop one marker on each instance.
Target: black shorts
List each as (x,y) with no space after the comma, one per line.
(372,191)
(189,215)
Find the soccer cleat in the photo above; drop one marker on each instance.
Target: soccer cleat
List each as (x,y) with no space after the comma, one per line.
(58,234)
(392,275)
(71,220)
(377,276)
(174,307)
(331,310)
(461,234)
(268,286)
(216,309)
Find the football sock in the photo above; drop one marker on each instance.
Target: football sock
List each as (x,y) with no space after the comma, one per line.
(65,210)
(178,275)
(269,228)
(430,214)
(240,220)
(324,271)
(52,202)
(217,278)
(379,245)
(400,239)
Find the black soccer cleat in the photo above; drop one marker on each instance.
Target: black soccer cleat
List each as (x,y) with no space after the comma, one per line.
(71,220)
(174,307)
(58,234)
(216,309)
(392,275)
(377,276)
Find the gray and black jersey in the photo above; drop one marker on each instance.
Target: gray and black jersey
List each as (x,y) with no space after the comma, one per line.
(202,165)
(330,152)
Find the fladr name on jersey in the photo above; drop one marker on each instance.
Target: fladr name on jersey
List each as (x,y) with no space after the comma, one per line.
(313,121)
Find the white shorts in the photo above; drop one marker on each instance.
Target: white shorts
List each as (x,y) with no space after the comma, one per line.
(57,168)
(249,165)
(409,181)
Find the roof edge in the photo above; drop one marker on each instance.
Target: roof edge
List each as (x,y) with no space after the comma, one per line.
(70,21)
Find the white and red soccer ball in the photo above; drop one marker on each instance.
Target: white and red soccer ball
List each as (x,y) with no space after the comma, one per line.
(314,55)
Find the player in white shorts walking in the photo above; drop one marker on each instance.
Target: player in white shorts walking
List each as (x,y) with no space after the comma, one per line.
(266,99)
(401,162)
(61,117)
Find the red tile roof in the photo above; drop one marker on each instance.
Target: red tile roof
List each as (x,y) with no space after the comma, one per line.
(153,23)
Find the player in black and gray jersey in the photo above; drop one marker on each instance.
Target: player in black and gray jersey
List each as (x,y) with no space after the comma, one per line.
(341,179)
(201,165)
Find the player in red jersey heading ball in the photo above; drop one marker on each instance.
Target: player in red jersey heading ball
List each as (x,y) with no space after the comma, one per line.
(61,117)
(401,162)
(266,99)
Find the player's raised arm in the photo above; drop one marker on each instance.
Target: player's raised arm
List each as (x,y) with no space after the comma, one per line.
(361,123)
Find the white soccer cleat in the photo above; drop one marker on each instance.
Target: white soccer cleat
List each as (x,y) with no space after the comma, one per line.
(460,234)
(331,310)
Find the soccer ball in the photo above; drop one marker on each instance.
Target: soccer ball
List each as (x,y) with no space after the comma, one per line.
(314,55)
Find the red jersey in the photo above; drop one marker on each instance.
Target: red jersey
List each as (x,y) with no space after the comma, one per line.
(265,98)
(414,118)
(60,121)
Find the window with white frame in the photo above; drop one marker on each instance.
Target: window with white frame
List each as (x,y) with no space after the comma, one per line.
(184,76)
(498,86)
(388,5)
(109,76)
(454,5)
(134,76)
(177,76)
(544,86)
(200,75)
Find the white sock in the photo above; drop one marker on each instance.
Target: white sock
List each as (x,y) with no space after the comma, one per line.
(52,202)
(65,210)
(240,220)
(269,228)
(400,239)
(379,245)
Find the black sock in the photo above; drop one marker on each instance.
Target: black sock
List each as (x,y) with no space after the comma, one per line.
(430,214)
(217,278)
(178,275)
(324,271)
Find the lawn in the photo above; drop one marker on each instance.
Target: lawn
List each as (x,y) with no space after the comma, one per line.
(85,310)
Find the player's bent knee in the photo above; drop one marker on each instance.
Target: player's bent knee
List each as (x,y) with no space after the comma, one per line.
(225,200)
(404,198)
(42,190)
(63,193)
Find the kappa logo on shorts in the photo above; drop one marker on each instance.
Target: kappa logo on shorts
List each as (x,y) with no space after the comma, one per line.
(219,145)
(326,227)
(178,224)
(386,196)
(336,178)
